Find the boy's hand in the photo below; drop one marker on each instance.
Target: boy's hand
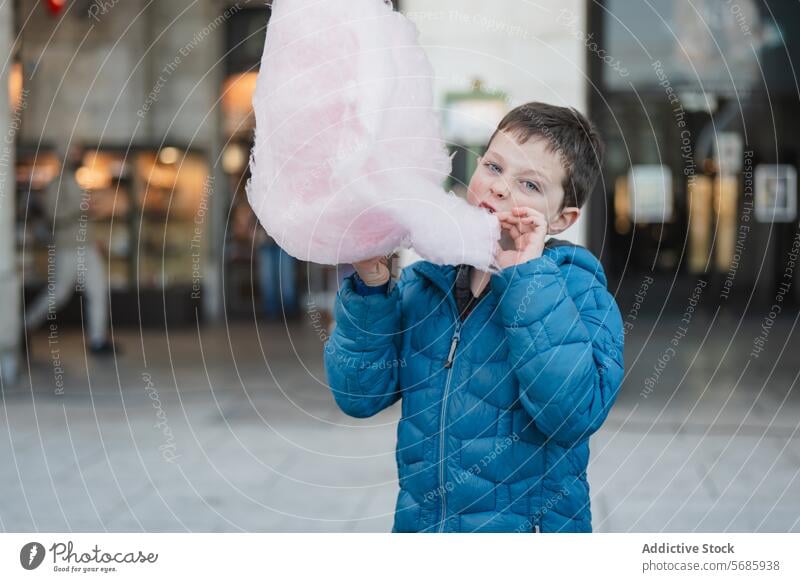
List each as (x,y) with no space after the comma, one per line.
(528,228)
(374,272)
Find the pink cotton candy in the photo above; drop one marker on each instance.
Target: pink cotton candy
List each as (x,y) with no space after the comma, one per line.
(348,161)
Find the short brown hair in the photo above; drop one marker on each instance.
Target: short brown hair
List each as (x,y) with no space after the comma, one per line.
(568,133)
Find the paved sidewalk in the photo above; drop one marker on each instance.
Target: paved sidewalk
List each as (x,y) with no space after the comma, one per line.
(234,429)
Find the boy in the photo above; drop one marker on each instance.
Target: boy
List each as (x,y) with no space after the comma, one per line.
(503,377)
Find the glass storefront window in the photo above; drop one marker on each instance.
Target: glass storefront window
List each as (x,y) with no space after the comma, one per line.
(148,211)
(172,201)
(698,45)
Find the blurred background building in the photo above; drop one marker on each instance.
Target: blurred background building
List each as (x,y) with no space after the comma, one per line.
(690,99)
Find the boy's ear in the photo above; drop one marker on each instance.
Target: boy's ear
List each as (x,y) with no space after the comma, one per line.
(566,218)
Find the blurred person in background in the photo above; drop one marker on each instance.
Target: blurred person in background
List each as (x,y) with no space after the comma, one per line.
(277,270)
(78,263)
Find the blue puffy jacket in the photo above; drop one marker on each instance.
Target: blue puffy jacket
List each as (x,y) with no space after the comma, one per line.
(497,410)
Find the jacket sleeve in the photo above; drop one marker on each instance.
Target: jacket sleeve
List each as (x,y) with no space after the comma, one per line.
(566,349)
(361,355)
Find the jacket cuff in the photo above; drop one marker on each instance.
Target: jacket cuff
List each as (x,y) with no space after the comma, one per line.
(362,311)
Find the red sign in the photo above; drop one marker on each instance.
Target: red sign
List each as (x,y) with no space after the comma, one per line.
(55,6)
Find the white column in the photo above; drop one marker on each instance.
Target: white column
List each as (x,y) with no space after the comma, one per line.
(9,284)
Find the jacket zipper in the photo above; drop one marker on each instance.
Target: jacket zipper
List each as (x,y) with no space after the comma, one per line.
(442,417)
(453,344)
(536,528)
(448,365)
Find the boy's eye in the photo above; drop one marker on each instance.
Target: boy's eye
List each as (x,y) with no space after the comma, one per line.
(531,186)
(493,167)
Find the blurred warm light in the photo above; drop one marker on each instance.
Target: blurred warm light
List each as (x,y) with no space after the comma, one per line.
(169,155)
(184,185)
(234,158)
(15,86)
(92,178)
(622,205)
(39,174)
(237,103)
(726,199)
(97,171)
(700,227)
(157,174)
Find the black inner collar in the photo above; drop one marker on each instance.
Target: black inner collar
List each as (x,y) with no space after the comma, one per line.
(465,300)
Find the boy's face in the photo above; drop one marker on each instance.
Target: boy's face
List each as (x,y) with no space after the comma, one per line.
(511,174)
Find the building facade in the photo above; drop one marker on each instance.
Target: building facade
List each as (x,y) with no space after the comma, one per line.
(699,178)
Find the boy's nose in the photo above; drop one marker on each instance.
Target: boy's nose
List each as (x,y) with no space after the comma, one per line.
(499,189)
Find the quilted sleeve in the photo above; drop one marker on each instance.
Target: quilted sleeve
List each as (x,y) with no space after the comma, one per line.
(361,355)
(566,349)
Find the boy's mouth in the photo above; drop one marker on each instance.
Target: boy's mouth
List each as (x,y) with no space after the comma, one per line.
(487,207)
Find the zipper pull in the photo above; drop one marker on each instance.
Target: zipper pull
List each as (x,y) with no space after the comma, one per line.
(453,344)
(536,528)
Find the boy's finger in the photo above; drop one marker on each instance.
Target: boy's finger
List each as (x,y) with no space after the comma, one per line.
(511,227)
(525,223)
(526,211)
(522,216)
(506,217)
